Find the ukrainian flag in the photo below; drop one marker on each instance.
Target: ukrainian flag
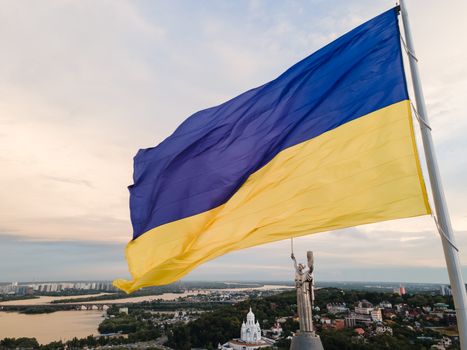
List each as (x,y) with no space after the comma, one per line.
(326,145)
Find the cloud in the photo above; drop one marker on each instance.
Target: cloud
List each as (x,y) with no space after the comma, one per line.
(85,85)
(88,228)
(68,180)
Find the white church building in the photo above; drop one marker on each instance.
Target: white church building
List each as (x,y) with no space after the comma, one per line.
(250,336)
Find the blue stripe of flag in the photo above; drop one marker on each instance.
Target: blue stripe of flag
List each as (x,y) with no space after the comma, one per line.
(205,161)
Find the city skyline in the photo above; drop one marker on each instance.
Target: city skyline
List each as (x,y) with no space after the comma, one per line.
(103,80)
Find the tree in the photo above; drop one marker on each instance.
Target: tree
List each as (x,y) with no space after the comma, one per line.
(22,343)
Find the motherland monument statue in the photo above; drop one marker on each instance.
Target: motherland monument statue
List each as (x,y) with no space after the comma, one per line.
(306,337)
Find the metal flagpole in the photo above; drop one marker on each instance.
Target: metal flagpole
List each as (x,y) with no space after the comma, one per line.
(447,235)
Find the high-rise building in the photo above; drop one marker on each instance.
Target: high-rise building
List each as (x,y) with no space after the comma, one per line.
(445,290)
(376,315)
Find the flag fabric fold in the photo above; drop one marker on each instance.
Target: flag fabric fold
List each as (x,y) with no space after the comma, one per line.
(328,144)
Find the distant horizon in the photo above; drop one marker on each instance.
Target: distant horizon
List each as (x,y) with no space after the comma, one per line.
(264,282)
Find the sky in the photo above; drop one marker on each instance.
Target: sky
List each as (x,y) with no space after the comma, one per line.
(86,84)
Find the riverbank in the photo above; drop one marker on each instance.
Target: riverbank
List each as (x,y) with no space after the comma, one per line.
(43,300)
(111,298)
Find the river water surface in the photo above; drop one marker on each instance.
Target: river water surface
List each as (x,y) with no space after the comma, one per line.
(50,327)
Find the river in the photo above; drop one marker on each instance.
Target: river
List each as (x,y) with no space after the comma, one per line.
(50,327)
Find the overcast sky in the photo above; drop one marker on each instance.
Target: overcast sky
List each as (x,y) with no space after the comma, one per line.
(85,84)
